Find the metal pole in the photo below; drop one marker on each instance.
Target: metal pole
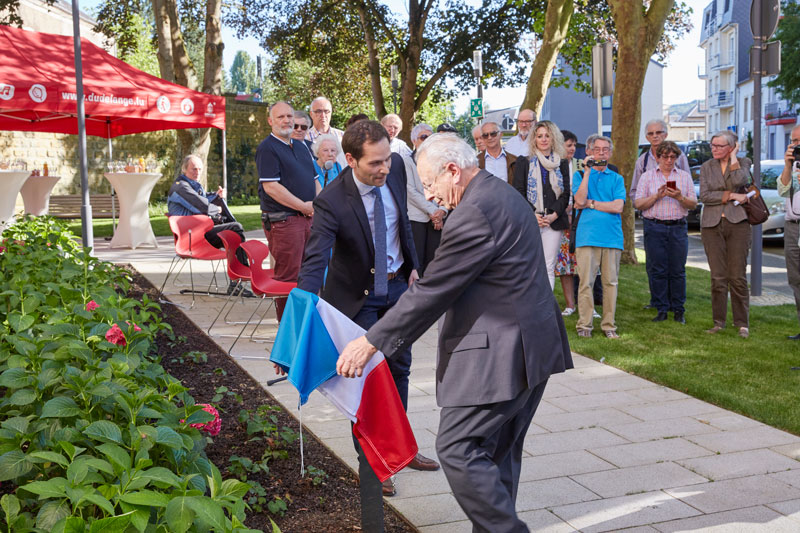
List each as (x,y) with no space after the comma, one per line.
(599,115)
(86,208)
(224,162)
(755,253)
(113,196)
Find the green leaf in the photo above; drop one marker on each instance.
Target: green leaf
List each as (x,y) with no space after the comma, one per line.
(98,464)
(105,431)
(101,502)
(159,474)
(112,524)
(52,488)
(22,397)
(77,471)
(51,457)
(20,322)
(199,417)
(146,497)
(140,517)
(10,505)
(51,512)
(14,464)
(73,524)
(60,407)
(179,515)
(147,412)
(208,512)
(19,424)
(234,488)
(116,455)
(14,378)
(169,437)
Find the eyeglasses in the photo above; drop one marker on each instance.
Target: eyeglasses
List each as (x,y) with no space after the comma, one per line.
(303,127)
(660,132)
(524,121)
(669,157)
(423,136)
(599,150)
(322,111)
(492,134)
(719,146)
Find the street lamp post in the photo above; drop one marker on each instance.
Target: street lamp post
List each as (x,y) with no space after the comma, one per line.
(477,67)
(394,87)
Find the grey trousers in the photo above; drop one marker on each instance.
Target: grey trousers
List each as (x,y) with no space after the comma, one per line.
(792,253)
(727,246)
(480,449)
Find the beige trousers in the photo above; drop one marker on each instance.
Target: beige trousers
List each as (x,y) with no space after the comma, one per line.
(588,259)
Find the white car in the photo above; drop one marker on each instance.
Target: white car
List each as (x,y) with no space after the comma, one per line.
(771,170)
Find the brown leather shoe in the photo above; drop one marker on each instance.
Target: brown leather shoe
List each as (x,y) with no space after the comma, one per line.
(388,487)
(714,329)
(420,462)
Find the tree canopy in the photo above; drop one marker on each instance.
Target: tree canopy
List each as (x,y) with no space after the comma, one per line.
(788,81)
(244,75)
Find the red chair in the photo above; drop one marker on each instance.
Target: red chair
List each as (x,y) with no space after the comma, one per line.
(191,243)
(263,283)
(237,271)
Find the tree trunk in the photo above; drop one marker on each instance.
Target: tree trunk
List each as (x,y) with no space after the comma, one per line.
(372,61)
(164,44)
(409,69)
(638,33)
(556,23)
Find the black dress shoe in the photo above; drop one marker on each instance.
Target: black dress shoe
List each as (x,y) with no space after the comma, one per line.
(662,316)
(648,306)
(679,317)
(794,337)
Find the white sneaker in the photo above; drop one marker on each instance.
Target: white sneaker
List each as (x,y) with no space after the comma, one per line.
(568,311)
(595,314)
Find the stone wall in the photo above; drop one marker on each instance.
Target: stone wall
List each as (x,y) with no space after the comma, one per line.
(246,124)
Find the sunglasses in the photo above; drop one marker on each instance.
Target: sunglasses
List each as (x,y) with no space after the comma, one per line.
(655,133)
(490,134)
(303,127)
(424,136)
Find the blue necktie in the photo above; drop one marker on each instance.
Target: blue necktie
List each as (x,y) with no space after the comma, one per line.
(381,278)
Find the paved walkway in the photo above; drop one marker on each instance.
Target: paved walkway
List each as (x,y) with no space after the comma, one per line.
(607,451)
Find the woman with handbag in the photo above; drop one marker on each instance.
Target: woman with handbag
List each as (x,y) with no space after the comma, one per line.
(725,231)
(543,179)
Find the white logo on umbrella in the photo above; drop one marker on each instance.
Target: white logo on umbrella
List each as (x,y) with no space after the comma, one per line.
(163,104)
(38,93)
(187,106)
(6,91)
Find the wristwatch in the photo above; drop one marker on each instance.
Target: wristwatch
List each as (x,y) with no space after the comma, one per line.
(591,204)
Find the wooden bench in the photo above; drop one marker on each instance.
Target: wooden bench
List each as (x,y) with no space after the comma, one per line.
(69,206)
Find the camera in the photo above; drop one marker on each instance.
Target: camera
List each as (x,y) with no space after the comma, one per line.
(796,153)
(592,163)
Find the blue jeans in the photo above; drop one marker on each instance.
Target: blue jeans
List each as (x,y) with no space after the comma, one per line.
(667,248)
(373,309)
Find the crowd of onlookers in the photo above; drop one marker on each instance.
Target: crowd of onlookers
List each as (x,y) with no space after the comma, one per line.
(577,203)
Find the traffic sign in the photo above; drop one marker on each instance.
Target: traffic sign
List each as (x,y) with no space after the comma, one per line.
(765,25)
(476,108)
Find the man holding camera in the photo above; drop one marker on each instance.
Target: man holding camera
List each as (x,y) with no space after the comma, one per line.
(600,193)
(788,186)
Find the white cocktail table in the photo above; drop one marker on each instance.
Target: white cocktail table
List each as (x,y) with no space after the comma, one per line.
(10,183)
(133,191)
(36,194)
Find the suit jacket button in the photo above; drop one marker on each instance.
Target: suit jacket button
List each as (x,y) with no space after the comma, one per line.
(366,292)
(371,270)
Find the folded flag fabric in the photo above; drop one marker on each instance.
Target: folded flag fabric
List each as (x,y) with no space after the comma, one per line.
(310,338)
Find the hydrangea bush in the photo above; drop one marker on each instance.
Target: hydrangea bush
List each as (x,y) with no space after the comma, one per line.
(94,434)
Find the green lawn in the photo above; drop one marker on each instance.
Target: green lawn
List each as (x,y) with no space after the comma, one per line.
(248,215)
(752,376)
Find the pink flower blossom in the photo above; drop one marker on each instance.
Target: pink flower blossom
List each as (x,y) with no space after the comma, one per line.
(213,427)
(91,305)
(2,249)
(115,336)
(135,327)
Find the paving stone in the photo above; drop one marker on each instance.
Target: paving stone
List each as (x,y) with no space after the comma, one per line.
(593,371)
(556,390)
(744,439)
(561,464)
(423,419)
(789,450)
(622,382)
(671,409)
(791,477)
(413,483)
(462,526)
(566,441)
(731,494)
(535,429)
(543,521)
(336,428)
(585,419)
(790,508)
(429,510)
(752,519)
(550,493)
(598,400)
(625,481)
(660,429)
(547,408)
(615,514)
(423,403)
(739,464)
(642,453)
(659,394)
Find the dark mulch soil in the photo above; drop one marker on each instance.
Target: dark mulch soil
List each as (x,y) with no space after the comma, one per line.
(332,506)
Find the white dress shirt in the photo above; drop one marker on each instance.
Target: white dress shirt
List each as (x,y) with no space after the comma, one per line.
(394,252)
(517,146)
(398,146)
(497,166)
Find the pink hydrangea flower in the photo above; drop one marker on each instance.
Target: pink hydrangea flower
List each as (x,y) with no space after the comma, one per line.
(135,327)
(91,305)
(115,336)
(212,427)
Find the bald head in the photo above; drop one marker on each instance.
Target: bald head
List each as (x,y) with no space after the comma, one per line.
(321,113)
(393,124)
(526,120)
(281,120)
(476,136)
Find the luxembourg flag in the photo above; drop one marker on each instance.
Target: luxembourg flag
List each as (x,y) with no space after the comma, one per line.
(310,338)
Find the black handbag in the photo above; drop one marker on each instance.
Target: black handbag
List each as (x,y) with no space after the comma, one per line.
(573,230)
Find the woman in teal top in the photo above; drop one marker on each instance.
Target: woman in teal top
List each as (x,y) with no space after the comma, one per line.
(326,149)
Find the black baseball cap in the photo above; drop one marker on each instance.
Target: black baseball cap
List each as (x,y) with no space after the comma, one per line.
(445,127)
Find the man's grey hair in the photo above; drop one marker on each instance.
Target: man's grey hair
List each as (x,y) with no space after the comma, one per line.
(595,137)
(304,116)
(727,135)
(318,99)
(443,148)
(391,116)
(488,122)
(478,127)
(187,159)
(417,130)
(321,139)
(278,103)
(657,121)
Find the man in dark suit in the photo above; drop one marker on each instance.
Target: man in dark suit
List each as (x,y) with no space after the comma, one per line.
(362,217)
(500,340)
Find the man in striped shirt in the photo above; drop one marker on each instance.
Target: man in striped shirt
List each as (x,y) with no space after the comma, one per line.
(664,196)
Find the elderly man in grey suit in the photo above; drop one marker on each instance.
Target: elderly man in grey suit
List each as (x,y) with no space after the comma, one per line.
(501,337)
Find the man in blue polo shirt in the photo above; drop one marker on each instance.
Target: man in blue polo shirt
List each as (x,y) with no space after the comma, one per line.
(286,189)
(600,193)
